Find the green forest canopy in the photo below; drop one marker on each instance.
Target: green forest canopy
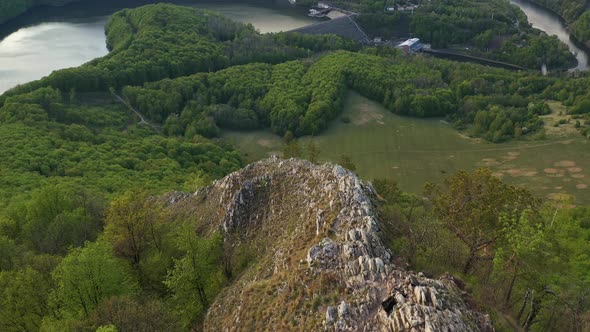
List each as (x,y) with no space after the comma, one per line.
(78,172)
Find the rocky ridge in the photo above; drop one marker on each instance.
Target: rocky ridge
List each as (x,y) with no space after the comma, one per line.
(319,261)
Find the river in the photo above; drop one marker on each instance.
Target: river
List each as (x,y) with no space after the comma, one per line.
(552,24)
(50,38)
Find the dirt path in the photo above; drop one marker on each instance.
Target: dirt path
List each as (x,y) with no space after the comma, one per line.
(141,117)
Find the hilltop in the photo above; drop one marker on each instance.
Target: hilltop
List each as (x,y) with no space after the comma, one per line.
(319,261)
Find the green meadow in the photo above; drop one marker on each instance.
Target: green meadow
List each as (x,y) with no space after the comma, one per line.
(414,151)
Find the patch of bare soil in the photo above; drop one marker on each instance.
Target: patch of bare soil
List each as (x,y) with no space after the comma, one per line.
(565,163)
(367,114)
(559,196)
(563,130)
(489,162)
(266,143)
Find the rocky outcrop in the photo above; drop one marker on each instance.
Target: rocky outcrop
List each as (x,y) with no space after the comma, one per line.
(319,261)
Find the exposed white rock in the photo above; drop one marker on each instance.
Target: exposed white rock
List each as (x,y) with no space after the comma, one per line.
(336,217)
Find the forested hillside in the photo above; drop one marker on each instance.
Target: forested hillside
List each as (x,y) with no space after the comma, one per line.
(495,29)
(163,41)
(89,243)
(302,98)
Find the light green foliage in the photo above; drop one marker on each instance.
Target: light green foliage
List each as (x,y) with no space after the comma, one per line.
(61,216)
(23,300)
(197,276)
(523,253)
(86,276)
(87,147)
(65,153)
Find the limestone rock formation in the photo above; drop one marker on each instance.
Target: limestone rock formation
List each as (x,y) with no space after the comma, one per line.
(316,261)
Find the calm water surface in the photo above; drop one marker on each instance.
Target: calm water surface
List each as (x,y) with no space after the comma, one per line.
(47,38)
(547,21)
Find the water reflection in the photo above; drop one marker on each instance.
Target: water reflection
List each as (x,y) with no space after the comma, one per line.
(50,38)
(31,53)
(547,21)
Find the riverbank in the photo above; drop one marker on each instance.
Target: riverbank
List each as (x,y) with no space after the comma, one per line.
(46,39)
(583,44)
(552,23)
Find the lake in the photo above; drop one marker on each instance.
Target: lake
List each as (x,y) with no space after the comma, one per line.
(51,38)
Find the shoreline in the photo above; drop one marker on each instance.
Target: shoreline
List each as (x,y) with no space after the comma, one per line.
(581,45)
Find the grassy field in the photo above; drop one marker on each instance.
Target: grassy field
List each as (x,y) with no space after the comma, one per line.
(414,151)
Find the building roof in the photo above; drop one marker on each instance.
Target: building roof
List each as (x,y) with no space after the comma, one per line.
(410,42)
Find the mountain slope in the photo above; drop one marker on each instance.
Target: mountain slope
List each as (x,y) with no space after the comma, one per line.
(320,263)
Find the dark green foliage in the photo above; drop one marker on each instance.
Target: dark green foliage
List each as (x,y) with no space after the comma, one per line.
(496,29)
(346,162)
(160,41)
(568,9)
(386,26)
(582,107)
(303,98)
(228,117)
(581,28)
